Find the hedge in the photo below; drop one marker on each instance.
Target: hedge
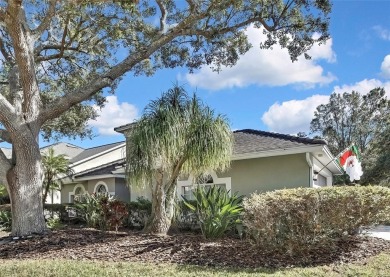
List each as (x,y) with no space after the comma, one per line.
(299,220)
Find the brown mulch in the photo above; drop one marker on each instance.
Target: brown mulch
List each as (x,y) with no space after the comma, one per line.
(90,244)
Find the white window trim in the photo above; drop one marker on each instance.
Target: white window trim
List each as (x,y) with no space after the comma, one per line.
(72,193)
(105,185)
(190,182)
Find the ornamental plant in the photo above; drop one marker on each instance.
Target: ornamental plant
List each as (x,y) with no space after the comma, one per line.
(216,211)
(298,221)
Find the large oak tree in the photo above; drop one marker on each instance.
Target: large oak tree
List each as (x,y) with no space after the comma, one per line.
(56,55)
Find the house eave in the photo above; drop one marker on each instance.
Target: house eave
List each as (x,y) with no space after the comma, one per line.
(95,177)
(277,152)
(98,154)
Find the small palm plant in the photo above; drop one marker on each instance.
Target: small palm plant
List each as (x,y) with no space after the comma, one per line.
(216,211)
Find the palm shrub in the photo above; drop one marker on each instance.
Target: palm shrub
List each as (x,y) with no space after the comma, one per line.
(216,211)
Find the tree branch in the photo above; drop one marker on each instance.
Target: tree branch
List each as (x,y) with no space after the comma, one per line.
(5,165)
(45,24)
(5,53)
(4,136)
(163,18)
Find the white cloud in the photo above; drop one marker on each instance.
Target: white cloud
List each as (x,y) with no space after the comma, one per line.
(364,86)
(292,116)
(385,67)
(268,67)
(112,115)
(382,32)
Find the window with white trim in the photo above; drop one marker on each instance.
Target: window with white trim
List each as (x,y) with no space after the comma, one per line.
(187,187)
(77,193)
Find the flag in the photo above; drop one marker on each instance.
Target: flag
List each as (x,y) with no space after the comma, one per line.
(350,161)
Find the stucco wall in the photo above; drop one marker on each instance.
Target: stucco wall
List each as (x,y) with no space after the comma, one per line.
(109,182)
(122,192)
(270,173)
(140,192)
(67,188)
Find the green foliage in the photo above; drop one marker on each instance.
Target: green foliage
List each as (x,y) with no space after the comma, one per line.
(101,211)
(352,117)
(5,220)
(216,211)
(177,134)
(58,210)
(306,219)
(54,223)
(53,165)
(4,197)
(139,213)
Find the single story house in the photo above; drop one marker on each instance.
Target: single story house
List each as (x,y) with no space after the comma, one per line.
(265,161)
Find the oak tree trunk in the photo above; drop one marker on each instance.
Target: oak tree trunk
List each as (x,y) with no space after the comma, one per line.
(25,183)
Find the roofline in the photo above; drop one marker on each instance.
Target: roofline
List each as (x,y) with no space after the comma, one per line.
(330,156)
(51,145)
(277,152)
(283,136)
(94,177)
(122,128)
(122,160)
(98,154)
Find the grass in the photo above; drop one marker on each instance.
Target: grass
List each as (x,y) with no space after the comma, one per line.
(376,266)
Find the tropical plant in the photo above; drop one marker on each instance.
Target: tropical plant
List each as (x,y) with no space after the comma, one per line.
(5,220)
(54,223)
(176,135)
(216,211)
(57,57)
(53,166)
(101,210)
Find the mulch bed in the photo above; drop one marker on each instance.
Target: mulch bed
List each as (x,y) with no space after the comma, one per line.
(90,244)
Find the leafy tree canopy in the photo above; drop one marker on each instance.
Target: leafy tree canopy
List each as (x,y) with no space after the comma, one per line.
(76,42)
(360,119)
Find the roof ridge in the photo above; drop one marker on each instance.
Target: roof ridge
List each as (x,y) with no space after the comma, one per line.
(56,143)
(282,136)
(105,145)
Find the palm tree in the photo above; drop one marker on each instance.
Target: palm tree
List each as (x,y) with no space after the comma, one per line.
(177,134)
(53,165)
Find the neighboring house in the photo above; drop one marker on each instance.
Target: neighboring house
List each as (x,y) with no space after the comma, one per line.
(265,161)
(61,148)
(96,170)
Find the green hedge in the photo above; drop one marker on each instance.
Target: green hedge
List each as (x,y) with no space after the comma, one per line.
(300,220)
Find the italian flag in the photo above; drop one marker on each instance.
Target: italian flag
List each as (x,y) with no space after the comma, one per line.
(350,161)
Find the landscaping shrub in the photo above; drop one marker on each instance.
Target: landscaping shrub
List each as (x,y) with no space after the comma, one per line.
(300,220)
(5,220)
(216,211)
(57,211)
(138,213)
(54,223)
(101,211)
(185,219)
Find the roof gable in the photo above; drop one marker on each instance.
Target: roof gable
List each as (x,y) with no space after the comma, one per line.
(94,151)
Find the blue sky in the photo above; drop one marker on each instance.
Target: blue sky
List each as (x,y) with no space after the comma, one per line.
(265,90)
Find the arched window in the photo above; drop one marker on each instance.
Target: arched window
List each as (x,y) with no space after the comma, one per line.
(77,192)
(101,187)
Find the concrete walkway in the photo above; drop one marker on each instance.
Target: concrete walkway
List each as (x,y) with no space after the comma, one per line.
(380,231)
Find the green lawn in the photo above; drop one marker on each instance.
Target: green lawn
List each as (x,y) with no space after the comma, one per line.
(377,266)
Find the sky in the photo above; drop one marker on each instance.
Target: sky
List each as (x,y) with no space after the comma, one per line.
(265,90)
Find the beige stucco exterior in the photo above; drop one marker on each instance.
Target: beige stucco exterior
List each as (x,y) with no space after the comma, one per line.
(90,186)
(269,173)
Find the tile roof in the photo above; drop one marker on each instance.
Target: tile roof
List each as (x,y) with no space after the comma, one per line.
(93,151)
(249,141)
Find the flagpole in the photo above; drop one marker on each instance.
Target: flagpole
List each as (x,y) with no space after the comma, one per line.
(336,157)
